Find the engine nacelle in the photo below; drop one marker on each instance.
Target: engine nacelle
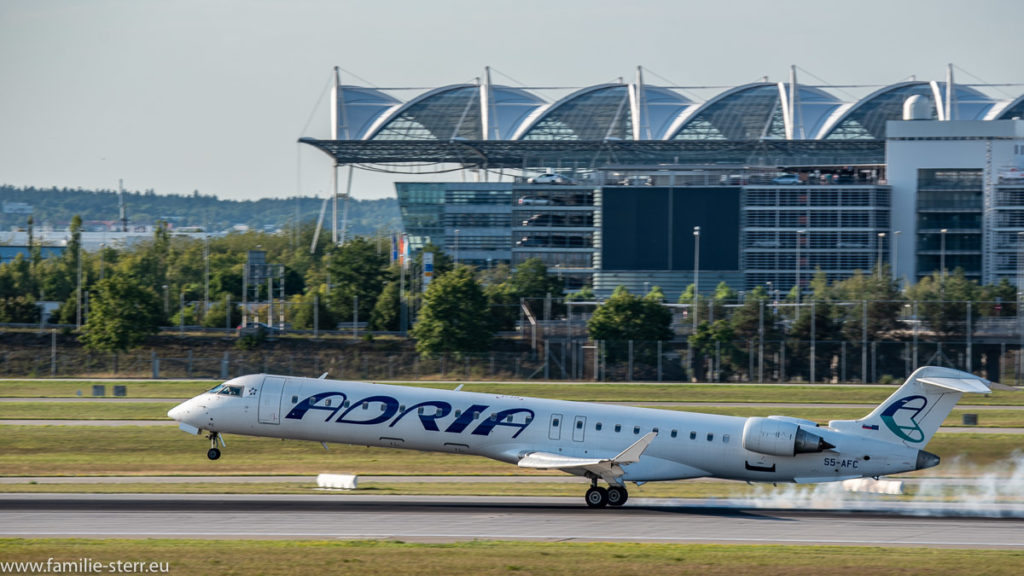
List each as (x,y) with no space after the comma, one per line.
(780,438)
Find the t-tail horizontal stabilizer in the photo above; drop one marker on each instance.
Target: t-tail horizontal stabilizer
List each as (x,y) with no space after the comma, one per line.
(608,469)
(915,411)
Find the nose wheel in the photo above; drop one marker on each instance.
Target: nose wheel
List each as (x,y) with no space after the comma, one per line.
(214,453)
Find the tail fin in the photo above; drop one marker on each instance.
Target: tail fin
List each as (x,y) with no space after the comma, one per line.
(916,410)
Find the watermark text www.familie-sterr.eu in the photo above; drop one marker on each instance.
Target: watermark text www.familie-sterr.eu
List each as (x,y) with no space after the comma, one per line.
(84,566)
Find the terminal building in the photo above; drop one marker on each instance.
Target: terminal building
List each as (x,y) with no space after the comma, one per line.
(759,185)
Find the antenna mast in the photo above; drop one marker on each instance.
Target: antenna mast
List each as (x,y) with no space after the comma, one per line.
(120,201)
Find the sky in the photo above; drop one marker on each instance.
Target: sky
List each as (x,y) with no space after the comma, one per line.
(212,95)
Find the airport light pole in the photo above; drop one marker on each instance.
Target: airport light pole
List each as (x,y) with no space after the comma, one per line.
(881,241)
(696,274)
(942,252)
(896,256)
(696,295)
(799,238)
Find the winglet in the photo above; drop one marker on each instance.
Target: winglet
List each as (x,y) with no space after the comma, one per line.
(322,376)
(633,453)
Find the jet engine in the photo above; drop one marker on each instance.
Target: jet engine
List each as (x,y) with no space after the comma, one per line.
(780,438)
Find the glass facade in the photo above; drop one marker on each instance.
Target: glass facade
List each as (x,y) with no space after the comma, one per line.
(950,200)
(791,230)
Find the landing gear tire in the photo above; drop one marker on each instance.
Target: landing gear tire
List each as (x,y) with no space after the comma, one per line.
(617,495)
(213,453)
(597,497)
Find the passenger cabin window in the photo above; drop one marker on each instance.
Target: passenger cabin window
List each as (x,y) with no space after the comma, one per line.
(327,402)
(725,438)
(693,435)
(579,424)
(674,433)
(711,436)
(554,422)
(295,399)
(597,426)
(636,429)
(618,427)
(655,430)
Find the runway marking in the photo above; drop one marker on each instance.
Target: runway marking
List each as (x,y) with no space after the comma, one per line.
(476,536)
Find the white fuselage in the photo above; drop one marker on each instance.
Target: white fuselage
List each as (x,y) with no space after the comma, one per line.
(506,428)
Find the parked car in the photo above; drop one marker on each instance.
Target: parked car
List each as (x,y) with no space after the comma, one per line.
(535,201)
(787,179)
(550,178)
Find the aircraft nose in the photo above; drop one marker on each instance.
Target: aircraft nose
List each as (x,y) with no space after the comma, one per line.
(179,412)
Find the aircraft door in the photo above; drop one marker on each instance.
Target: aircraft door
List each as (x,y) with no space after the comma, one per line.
(579,428)
(270,400)
(555,429)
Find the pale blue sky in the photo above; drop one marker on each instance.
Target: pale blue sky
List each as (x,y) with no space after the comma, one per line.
(212,94)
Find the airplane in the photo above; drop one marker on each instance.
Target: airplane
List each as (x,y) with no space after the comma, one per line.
(602,442)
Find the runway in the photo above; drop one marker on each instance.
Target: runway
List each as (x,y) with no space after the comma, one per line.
(451,518)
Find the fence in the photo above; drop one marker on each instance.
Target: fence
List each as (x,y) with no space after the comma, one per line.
(552,344)
(553,359)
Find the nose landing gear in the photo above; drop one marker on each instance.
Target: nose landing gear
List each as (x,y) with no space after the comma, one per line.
(214,453)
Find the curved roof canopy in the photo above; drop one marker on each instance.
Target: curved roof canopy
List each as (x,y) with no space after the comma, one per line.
(756,112)
(453,112)
(360,108)
(595,113)
(657,108)
(1014,110)
(866,119)
(759,111)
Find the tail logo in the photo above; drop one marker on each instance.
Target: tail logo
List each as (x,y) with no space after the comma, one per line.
(901,418)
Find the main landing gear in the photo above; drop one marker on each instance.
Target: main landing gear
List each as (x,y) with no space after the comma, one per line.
(598,497)
(214,453)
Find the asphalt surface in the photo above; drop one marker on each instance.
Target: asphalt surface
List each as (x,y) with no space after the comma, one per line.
(447,518)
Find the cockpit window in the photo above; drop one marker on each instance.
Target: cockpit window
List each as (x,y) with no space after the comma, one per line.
(230,390)
(215,389)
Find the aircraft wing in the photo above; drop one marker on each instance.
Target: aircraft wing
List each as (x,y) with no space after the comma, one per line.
(608,469)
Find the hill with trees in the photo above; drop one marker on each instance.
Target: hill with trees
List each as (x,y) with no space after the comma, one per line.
(55,207)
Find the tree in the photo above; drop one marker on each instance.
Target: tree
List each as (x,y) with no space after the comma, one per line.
(303,312)
(122,314)
(357,271)
(531,280)
(942,301)
(216,316)
(387,312)
(454,318)
(624,317)
(19,309)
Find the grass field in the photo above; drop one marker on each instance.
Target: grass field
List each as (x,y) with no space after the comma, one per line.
(373,558)
(583,391)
